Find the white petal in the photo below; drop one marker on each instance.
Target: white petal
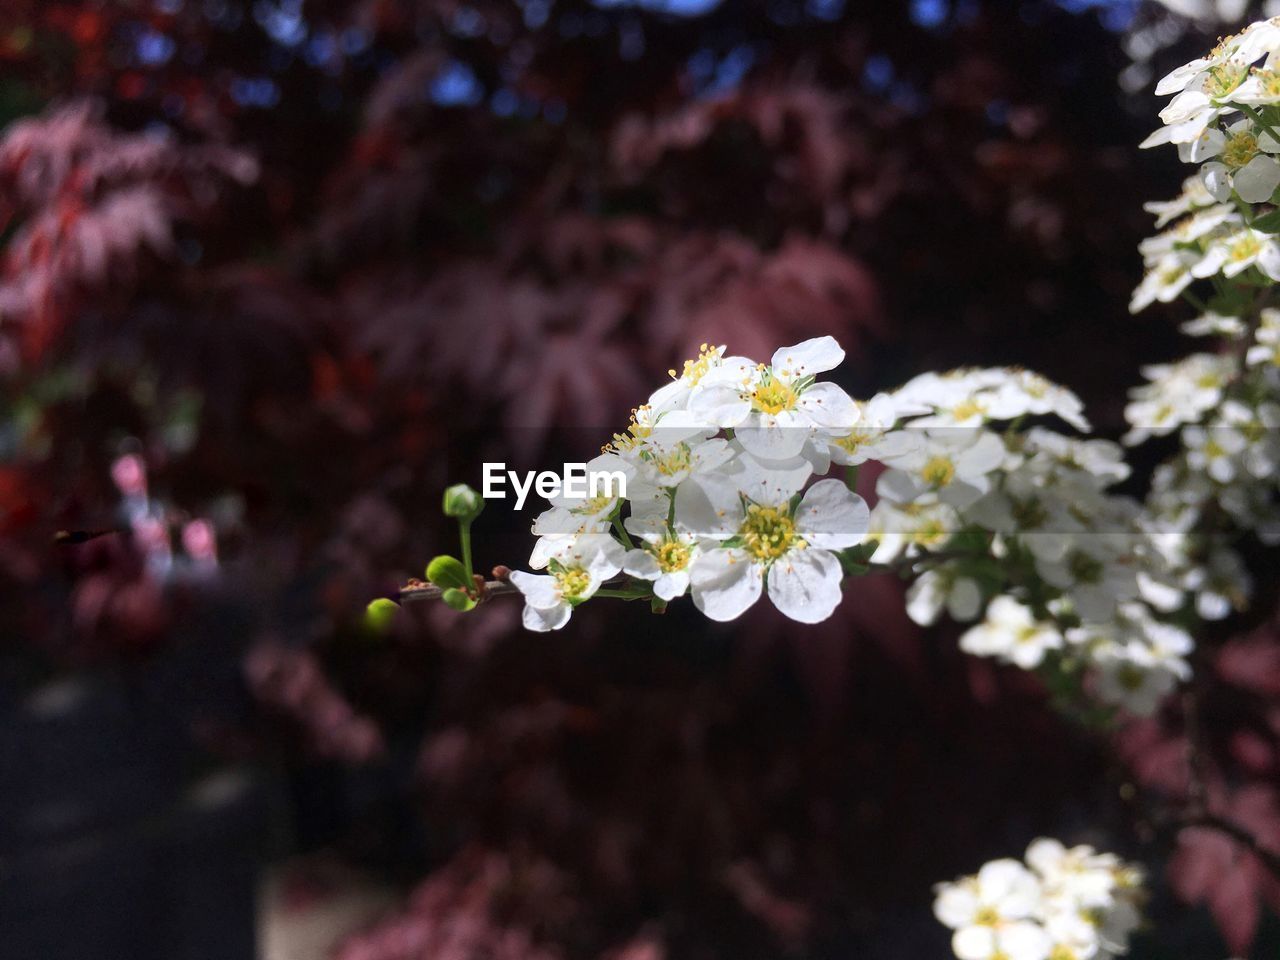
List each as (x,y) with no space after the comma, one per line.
(709,506)
(1206,146)
(955,905)
(671,396)
(719,403)
(898,486)
(542,620)
(724,583)
(805,584)
(1025,941)
(599,554)
(539,591)
(1269,260)
(1217,181)
(1257,180)
(925,599)
(642,564)
(805,359)
(986,454)
(1156,138)
(965,600)
(974,943)
(772,437)
(771,481)
(671,585)
(832,516)
(1177,80)
(828,406)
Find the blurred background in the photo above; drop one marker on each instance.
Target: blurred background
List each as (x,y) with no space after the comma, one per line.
(276,272)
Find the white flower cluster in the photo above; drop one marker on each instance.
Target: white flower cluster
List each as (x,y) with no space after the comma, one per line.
(1209,238)
(982,514)
(1061,904)
(716,464)
(1223,405)
(1026,520)
(1219,114)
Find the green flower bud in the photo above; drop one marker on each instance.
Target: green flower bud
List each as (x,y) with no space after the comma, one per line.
(457,600)
(380,614)
(462,502)
(447,572)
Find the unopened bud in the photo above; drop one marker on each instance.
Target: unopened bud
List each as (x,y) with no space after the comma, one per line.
(380,614)
(463,502)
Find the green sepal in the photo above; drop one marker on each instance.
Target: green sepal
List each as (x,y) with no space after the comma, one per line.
(1268,222)
(856,561)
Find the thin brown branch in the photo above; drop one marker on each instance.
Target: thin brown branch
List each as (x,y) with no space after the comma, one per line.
(416,590)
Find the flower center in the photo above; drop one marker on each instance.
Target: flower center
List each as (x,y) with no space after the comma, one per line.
(1131,678)
(573,582)
(1269,80)
(636,433)
(773,396)
(1245,248)
(672,555)
(1063,952)
(695,369)
(931,531)
(594,505)
(673,461)
(938,471)
(1240,149)
(987,917)
(1086,569)
(1224,78)
(1029,514)
(768,532)
(967,409)
(1026,634)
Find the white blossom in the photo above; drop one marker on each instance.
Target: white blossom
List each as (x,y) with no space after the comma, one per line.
(1011,632)
(775,408)
(764,542)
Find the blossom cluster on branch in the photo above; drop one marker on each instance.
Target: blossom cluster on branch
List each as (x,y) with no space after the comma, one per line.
(1062,904)
(980,511)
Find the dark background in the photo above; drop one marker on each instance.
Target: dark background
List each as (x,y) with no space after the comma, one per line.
(283,271)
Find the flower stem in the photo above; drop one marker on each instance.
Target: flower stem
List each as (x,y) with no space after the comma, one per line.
(622,530)
(1256,117)
(626,593)
(464,534)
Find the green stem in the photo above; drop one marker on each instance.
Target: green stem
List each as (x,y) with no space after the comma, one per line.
(626,593)
(1195,301)
(622,530)
(1256,117)
(464,534)
(1246,211)
(851,477)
